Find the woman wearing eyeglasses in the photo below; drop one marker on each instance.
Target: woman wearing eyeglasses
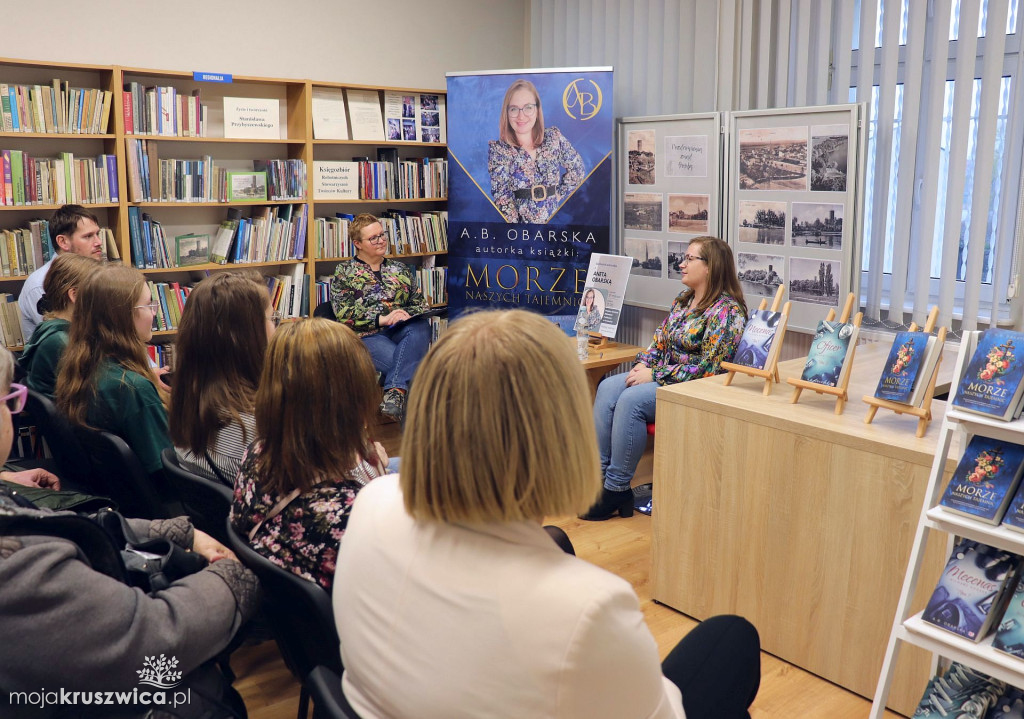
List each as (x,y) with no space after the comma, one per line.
(105,380)
(376,297)
(527,159)
(701,331)
(222,340)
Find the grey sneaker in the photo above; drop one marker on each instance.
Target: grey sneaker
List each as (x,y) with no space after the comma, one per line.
(393,405)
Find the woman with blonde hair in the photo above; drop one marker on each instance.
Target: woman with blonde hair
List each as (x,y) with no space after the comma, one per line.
(452,600)
(104,379)
(313,453)
(222,341)
(44,349)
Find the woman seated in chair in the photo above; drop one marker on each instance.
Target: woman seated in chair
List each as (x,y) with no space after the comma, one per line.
(105,381)
(46,346)
(451,600)
(312,453)
(376,297)
(71,624)
(222,342)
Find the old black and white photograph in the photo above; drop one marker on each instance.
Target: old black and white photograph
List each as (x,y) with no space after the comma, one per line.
(641,157)
(643,211)
(646,254)
(676,250)
(762,222)
(688,213)
(773,159)
(816,281)
(829,147)
(817,224)
(760,275)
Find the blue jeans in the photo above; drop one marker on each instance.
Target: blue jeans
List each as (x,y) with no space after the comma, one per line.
(621,415)
(396,353)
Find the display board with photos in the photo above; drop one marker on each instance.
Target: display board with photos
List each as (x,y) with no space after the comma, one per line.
(670,192)
(793,209)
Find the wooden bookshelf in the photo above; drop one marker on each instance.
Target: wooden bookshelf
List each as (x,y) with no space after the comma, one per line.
(295,96)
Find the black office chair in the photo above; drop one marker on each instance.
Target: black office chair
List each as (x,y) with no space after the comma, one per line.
(206,501)
(325,310)
(72,464)
(117,473)
(299,613)
(328,700)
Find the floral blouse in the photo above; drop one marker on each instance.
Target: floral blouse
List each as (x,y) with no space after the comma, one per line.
(305,535)
(591,320)
(513,169)
(359,298)
(690,345)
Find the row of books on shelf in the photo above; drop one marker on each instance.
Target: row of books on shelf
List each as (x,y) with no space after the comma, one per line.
(162,111)
(59,180)
(10,321)
(23,250)
(151,179)
(162,355)
(54,108)
(386,178)
(409,232)
(289,295)
(433,283)
(269,234)
(406,116)
(964,692)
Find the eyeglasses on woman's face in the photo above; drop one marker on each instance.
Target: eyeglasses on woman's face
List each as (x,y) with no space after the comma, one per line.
(15,399)
(686,259)
(152,307)
(276,317)
(529,110)
(377,239)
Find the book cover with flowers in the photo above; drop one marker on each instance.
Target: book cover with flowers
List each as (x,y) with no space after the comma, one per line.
(992,383)
(985,480)
(904,367)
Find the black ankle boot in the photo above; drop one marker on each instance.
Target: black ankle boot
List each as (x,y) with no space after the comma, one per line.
(609,504)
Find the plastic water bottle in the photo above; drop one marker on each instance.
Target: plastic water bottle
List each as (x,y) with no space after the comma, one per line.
(582,340)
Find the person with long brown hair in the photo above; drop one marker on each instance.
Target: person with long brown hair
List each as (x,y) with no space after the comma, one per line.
(44,349)
(222,342)
(104,380)
(312,453)
(701,331)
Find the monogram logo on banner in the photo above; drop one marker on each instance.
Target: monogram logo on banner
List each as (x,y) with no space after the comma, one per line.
(582,99)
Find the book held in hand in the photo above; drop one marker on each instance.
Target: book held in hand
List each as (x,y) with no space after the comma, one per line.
(985,480)
(972,593)
(992,383)
(828,362)
(908,368)
(757,347)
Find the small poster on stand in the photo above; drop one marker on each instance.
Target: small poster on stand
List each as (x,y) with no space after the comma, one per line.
(603,293)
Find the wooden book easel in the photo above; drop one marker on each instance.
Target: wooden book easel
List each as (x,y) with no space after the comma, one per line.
(597,341)
(840,392)
(924,412)
(770,373)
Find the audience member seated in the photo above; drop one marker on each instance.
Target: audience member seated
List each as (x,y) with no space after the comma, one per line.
(221,344)
(46,346)
(105,380)
(70,626)
(377,297)
(701,331)
(312,453)
(450,598)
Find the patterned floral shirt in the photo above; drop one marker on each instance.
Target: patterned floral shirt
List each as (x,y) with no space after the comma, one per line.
(513,169)
(690,345)
(359,298)
(305,535)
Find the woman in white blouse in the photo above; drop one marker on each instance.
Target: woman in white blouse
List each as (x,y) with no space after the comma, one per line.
(450,598)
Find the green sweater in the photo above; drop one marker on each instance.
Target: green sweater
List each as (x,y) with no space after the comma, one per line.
(42,353)
(127,404)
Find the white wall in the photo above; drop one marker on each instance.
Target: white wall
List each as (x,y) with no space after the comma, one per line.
(402,43)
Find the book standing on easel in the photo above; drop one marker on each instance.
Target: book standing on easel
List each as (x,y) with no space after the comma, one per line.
(909,365)
(829,361)
(757,347)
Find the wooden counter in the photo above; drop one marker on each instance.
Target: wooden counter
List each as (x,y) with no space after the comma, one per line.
(795,518)
(602,361)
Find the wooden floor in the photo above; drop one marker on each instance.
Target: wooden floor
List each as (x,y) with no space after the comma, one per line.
(621,546)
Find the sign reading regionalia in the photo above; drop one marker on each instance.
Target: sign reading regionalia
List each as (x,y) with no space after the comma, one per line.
(529,199)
